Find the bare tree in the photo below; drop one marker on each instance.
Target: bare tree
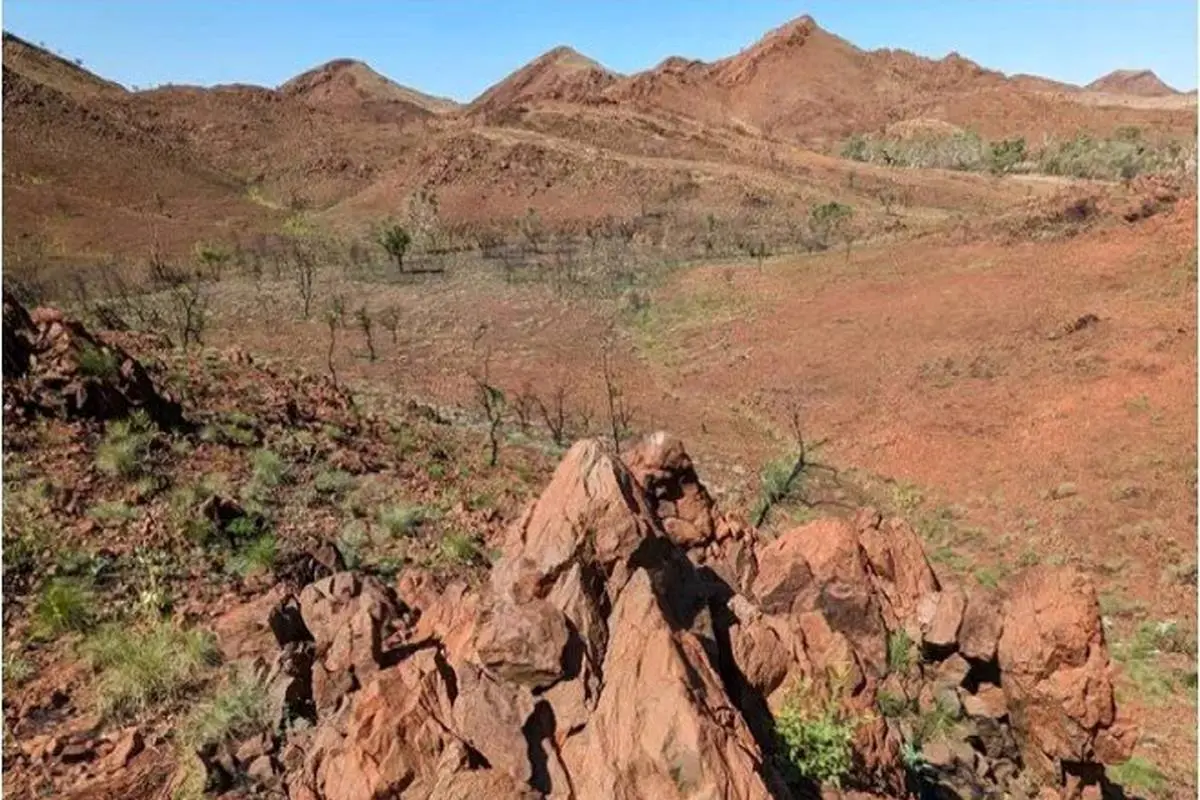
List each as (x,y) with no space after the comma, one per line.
(523,403)
(620,414)
(331,323)
(188,303)
(490,398)
(781,480)
(363,318)
(554,414)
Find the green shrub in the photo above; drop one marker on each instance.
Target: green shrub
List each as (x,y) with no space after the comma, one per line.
(270,470)
(255,557)
(778,481)
(124,450)
(65,604)
(402,520)
(333,482)
(461,548)
(1006,154)
(815,744)
(141,667)
(97,362)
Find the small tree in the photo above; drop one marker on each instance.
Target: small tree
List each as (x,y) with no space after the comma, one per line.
(363,318)
(491,401)
(188,302)
(395,241)
(826,220)
(212,258)
(522,404)
(304,269)
(390,317)
(783,479)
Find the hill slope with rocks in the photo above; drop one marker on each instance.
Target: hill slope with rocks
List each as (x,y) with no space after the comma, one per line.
(629,639)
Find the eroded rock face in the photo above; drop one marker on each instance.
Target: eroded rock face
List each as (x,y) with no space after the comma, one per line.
(609,657)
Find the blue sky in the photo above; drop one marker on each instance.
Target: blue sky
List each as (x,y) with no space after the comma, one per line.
(457,48)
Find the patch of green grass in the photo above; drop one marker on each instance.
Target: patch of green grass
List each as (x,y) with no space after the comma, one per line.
(65,604)
(97,362)
(401,519)
(17,669)
(113,511)
(142,667)
(1139,775)
(461,548)
(256,557)
(351,544)
(269,469)
(934,723)
(990,576)
(891,706)
(1029,559)
(900,652)
(778,481)
(815,743)
(239,708)
(333,482)
(125,448)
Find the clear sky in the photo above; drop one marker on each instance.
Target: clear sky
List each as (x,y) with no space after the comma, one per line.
(457,48)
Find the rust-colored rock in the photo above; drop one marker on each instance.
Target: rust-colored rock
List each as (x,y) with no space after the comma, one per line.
(1055,672)
(523,643)
(941,630)
(663,726)
(347,615)
(981,626)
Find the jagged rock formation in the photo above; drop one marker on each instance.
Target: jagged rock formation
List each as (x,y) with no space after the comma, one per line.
(635,642)
(52,365)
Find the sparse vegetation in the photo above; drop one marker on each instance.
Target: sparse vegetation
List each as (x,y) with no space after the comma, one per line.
(237,709)
(255,557)
(140,667)
(461,549)
(1139,775)
(401,519)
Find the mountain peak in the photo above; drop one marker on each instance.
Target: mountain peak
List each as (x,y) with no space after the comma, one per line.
(347,81)
(1141,82)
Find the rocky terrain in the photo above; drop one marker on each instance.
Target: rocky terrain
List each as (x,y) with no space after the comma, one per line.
(334,450)
(629,639)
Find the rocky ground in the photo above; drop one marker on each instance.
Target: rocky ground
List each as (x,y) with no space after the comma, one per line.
(222,579)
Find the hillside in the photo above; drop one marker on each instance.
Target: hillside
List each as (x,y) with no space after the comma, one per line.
(563,136)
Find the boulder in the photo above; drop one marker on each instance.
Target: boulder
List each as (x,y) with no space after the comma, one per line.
(523,643)
(981,626)
(940,631)
(1055,673)
(347,615)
